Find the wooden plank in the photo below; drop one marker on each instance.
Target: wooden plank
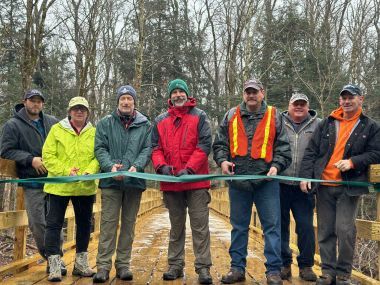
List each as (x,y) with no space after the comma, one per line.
(374,173)
(7,168)
(368,229)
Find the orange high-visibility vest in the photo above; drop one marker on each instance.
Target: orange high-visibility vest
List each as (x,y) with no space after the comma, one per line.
(262,141)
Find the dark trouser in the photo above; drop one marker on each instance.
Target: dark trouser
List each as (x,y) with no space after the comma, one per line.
(196,201)
(302,207)
(117,204)
(55,214)
(336,226)
(267,200)
(35,205)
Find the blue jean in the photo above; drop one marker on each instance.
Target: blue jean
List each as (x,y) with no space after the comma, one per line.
(266,197)
(302,207)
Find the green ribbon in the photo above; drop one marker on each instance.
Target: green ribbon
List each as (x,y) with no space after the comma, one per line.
(183,178)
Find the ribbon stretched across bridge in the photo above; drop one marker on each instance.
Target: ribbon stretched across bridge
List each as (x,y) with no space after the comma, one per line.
(184,178)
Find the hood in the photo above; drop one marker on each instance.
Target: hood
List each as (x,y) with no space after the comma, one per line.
(338,114)
(65,124)
(312,113)
(19,112)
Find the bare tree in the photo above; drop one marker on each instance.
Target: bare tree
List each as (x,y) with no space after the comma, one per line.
(36,12)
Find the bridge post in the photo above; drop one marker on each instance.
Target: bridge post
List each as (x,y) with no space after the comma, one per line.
(20,232)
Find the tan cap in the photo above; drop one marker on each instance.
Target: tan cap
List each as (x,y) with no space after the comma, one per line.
(78,101)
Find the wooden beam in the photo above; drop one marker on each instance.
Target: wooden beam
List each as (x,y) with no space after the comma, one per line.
(368,229)
(19,218)
(7,168)
(374,173)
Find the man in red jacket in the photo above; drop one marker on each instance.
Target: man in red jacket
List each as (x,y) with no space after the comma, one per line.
(181,141)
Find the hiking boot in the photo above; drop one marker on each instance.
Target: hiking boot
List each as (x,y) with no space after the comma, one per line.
(173,273)
(101,276)
(286,272)
(55,274)
(343,280)
(274,279)
(81,266)
(307,274)
(325,279)
(63,268)
(233,276)
(124,274)
(204,276)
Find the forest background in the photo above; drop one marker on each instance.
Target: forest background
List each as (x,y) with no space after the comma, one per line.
(88,48)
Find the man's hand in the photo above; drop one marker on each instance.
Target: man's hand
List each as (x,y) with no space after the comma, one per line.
(227,167)
(74,171)
(272,171)
(185,171)
(116,167)
(38,165)
(132,169)
(343,165)
(165,170)
(305,186)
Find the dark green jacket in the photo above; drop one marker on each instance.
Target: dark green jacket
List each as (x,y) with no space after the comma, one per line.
(246,164)
(114,143)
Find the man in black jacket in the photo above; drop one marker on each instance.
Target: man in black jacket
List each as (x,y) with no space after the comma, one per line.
(22,140)
(341,149)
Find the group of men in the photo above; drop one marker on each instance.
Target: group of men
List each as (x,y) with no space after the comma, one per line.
(253,138)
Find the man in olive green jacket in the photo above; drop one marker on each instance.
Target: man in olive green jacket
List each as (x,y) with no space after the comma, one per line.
(122,143)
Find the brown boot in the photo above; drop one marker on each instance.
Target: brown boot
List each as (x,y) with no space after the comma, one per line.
(308,274)
(274,279)
(286,272)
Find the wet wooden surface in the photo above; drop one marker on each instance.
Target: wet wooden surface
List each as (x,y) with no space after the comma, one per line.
(149,257)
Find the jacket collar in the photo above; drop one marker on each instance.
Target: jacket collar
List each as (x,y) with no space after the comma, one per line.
(180,111)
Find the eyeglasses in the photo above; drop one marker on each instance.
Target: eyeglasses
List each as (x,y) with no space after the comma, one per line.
(79,108)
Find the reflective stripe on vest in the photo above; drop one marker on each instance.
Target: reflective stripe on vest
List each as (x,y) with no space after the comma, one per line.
(263,138)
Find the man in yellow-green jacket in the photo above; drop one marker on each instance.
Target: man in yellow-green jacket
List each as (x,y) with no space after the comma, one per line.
(69,151)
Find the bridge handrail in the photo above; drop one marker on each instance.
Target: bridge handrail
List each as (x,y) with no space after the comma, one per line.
(365,228)
(151,199)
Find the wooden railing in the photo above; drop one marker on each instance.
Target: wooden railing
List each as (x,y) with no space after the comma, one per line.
(366,229)
(18,220)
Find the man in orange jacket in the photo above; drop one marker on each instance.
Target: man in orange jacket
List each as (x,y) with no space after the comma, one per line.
(341,149)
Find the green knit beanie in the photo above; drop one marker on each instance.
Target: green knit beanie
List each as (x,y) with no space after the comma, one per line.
(178,84)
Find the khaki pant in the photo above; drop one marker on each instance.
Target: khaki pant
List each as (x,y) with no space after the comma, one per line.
(196,201)
(113,201)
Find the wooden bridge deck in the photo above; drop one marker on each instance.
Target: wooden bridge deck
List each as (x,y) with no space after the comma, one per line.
(149,257)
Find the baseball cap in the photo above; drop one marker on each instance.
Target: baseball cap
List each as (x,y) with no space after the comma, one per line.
(33,92)
(352,89)
(253,83)
(78,101)
(298,96)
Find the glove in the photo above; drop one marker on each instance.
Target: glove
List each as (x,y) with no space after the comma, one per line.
(186,171)
(165,170)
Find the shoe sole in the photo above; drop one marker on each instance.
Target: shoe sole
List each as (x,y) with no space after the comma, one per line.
(129,278)
(171,278)
(99,281)
(56,279)
(232,282)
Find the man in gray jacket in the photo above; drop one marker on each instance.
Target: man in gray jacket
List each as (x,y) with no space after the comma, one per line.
(300,123)
(22,140)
